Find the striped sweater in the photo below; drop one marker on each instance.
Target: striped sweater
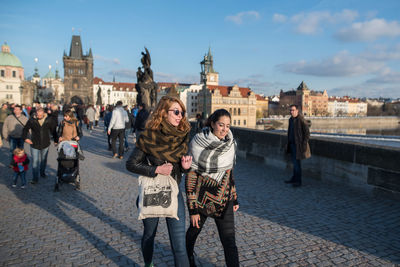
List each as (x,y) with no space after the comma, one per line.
(207,196)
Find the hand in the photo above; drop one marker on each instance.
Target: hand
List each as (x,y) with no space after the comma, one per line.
(164,169)
(186,161)
(235,207)
(108,132)
(194,220)
(77,138)
(28,141)
(60,139)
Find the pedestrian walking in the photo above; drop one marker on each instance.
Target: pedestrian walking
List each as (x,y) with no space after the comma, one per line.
(128,127)
(297,145)
(210,185)
(117,129)
(107,120)
(97,115)
(91,116)
(161,149)
(13,128)
(19,163)
(4,112)
(41,128)
(68,129)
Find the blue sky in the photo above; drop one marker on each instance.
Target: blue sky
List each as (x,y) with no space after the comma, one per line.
(346,47)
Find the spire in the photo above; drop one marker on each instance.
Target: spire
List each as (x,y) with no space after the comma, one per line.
(75,50)
(90,53)
(36,74)
(302,86)
(57,75)
(113,78)
(209,52)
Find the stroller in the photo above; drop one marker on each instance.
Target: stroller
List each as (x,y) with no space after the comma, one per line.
(69,154)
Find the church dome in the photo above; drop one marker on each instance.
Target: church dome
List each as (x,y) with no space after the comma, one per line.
(8,59)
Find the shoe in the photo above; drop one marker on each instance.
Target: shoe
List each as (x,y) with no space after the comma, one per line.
(115,156)
(34,182)
(14,185)
(121,157)
(297,184)
(289,181)
(43,175)
(23,186)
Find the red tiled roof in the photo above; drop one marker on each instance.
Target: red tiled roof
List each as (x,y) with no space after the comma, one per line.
(117,86)
(225,90)
(261,98)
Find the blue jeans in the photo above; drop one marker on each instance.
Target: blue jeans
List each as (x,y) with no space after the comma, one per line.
(23,179)
(127,131)
(39,162)
(176,231)
(14,143)
(296,164)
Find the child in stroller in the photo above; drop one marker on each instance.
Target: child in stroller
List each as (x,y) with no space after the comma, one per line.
(69,154)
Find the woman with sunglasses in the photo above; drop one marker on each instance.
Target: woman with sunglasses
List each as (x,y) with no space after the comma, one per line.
(210,187)
(161,149)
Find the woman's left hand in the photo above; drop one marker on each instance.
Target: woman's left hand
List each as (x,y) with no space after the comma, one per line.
(235,207)
(186,162)
(77,138)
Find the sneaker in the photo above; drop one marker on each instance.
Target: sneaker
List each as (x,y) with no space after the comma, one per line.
(34,182)
(43,175)
(115,156)
(23,186)
(14,185)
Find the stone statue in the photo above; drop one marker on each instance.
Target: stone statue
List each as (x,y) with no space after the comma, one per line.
(99,101)
(146,87)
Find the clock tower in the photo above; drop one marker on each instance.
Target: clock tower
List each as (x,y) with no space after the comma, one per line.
(208,74)
(78,74)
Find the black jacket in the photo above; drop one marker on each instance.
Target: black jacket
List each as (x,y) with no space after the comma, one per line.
(144,164)
(40,135)
(141,119)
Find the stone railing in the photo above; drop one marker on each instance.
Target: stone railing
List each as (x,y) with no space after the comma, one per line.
(361,165)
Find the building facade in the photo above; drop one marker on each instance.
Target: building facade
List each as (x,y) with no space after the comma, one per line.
(311,103)
(111,92)
(11,76)
(78,74)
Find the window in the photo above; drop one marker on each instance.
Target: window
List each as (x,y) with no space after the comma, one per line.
(244,122)
(14,73)
(238,122)
(239,114)
(2,73)
(234,111)
(230,110)
(234,122)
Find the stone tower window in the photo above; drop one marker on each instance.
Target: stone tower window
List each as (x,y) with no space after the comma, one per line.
(2,73)
(14,74)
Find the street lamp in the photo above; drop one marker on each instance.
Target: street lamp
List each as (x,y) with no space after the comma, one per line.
(108,93)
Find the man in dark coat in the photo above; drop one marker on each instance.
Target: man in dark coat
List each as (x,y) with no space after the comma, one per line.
(298,147)
(41,126)
(141,119)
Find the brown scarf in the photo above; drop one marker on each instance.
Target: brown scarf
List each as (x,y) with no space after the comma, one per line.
(168,143)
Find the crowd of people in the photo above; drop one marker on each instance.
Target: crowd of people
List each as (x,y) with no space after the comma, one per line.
(162,147)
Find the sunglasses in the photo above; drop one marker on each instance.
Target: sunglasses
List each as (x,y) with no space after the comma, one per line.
(176,112)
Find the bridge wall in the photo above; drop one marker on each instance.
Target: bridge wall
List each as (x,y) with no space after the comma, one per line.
(361,165)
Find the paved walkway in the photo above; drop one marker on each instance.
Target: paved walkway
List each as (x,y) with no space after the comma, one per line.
(319,224)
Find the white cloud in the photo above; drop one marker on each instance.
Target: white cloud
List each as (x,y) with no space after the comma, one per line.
(366,90)
(126,73)
(311,23)
(115,61)
(369,30)
(279,18)
(242,16)
(387,76)
(340,65)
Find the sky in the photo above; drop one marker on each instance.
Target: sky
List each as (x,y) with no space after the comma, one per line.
(346,47)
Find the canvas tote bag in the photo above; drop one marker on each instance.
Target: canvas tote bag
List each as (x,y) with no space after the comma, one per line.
(158,197)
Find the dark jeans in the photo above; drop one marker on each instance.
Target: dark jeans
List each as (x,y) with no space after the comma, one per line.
(23,179)
(120,134)
(296,164)
(226,231)
(39,162)
(176,231)
(127,131)
(14,143)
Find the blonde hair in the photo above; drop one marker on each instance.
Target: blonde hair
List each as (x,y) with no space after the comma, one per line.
(160,113)
(18,151)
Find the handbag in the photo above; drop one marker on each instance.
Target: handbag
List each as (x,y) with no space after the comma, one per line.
(158,197)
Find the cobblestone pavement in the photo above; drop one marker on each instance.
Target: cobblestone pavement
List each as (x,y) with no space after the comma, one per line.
(319,224)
